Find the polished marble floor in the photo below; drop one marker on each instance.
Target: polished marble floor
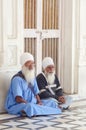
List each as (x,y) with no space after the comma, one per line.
(72,119)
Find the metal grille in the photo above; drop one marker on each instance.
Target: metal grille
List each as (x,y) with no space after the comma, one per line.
(50,48)
(30,14)
(30,46)
(50,11)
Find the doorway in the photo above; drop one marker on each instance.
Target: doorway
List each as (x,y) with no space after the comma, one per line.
(42,30)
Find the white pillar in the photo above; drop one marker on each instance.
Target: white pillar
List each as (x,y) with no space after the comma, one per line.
(69,45)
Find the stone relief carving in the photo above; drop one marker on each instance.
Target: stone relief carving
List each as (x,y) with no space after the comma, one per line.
(82,51)
(82,60)
(12,55)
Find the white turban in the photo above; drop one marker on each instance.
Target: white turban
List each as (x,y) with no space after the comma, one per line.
(47,61)
(26,57)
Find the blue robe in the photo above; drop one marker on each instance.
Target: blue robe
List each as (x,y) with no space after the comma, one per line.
(19,87)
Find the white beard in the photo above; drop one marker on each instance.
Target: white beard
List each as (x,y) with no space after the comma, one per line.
(29,74)
(50,78)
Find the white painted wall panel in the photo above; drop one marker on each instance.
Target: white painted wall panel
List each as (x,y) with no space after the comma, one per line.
(11,28)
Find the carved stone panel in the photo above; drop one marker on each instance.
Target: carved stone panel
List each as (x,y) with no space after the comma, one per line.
(82,60)
(12,55)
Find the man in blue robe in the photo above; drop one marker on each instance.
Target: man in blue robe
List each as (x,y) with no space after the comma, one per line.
(23,93)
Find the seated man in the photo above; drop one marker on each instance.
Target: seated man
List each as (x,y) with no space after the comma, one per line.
(49,85)
(23,95)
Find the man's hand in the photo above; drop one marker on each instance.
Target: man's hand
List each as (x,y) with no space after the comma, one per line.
(38,100)
(61,99)
(40,103)
(20,100)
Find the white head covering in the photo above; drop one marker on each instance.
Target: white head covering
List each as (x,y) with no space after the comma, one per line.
(26,57)
(47,61)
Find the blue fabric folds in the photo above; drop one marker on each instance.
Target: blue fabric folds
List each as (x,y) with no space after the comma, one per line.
(19,87)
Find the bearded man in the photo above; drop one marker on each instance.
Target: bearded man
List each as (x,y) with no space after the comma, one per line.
(23,93)
(49,85)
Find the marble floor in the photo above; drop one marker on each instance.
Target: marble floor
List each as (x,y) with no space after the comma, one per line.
(72,119)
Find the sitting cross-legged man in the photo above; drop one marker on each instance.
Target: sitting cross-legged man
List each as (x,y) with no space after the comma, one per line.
(49,85)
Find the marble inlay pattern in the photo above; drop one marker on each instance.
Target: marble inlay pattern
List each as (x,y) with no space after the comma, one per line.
(72,119)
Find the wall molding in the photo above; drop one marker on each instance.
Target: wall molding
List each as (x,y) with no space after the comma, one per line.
(11,30)
(12,21)
(12,55)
